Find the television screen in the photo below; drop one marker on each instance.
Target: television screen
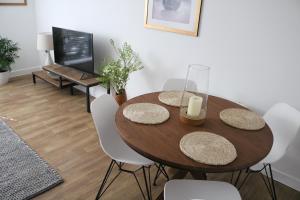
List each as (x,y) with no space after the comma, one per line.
(73,49)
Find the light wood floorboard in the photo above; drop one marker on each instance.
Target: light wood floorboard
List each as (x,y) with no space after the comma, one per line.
(59,129)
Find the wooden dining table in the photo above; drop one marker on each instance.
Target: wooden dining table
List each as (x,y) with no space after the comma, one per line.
(160,142)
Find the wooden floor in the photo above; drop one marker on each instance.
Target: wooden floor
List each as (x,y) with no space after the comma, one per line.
(57,126)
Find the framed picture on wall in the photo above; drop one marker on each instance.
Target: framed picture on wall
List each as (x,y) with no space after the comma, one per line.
(179,16)
(13,2)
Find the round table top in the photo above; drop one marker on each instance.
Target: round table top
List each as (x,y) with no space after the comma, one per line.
(160,143)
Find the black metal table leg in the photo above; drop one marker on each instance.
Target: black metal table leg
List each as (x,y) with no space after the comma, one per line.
(88,108)
(199,175)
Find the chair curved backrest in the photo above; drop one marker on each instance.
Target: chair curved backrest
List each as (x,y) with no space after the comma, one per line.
(103,111)
(284,122)
(178,84)
(200,189)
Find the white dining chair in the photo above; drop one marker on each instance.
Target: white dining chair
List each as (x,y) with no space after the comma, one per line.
(103,111)
(178,84)
(284,122)
(200,190)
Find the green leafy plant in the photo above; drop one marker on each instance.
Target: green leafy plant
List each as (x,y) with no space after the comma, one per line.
(116,71)
(8,53)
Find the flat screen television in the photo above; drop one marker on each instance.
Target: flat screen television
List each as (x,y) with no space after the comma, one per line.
(73,49)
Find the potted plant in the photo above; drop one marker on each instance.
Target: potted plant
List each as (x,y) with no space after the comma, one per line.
(116,71)
(8,54)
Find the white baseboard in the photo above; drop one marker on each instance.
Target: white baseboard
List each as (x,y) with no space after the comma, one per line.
(25,71)
(286,179)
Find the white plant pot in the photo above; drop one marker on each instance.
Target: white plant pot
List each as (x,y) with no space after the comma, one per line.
(4,76)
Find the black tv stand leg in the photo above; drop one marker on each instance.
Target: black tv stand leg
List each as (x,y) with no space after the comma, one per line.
(88,108)
(33,79)
(60,82)
(71,90)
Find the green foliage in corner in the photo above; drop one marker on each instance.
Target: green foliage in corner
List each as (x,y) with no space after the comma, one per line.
(8,53)
(116,71)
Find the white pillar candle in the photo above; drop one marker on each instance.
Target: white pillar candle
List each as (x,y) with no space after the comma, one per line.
(194,107)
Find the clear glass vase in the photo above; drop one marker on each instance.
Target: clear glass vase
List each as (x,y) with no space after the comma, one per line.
(193,108)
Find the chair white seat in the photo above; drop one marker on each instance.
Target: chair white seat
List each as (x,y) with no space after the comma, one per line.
(103,112)
(284,122)
(200,190)
(121,152)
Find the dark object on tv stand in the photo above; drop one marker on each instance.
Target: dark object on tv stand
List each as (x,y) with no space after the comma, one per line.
(85,75)
(73,78)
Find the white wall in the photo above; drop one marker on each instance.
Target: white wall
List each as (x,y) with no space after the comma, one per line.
(252,46)
(18,24)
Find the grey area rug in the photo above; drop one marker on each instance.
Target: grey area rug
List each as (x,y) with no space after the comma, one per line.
(23,174)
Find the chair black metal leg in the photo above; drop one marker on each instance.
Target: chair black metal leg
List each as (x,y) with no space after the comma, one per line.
(232,175)
(160,170)
(149,177)
(136,179)
(148,185)
(273,185)
(111,183)
(108,172)
(238,178)
(244,180)
(165,173)
(268,181)
(248,169)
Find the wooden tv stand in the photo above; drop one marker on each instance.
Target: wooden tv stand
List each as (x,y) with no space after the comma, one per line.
(68,77)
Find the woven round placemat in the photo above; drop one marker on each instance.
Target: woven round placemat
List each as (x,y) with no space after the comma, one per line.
(173,98)
(146,113)
(208,148)
(242,119)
